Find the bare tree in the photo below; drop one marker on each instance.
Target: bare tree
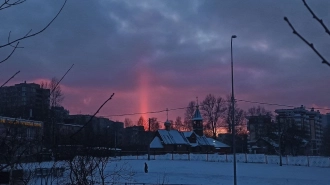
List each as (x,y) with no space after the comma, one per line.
(256,111)
(141,121)
(119,173)
(14,43)
(128,122)
(17,143)
(154,124)
(213,109)
(239,115)
(179,125)
(188,115)
(82,170)
(311,45)
(56,97)
(325,148)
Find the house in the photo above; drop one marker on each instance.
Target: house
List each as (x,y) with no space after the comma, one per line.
(170,140)
(219,147)
(198,143)
(175,141)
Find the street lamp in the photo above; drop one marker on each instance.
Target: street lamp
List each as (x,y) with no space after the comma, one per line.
(233,108)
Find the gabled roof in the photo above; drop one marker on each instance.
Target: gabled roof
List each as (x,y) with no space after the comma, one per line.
(156,143)
(200,140)
(197,115)
(187,133)
(172,137)
(217,144)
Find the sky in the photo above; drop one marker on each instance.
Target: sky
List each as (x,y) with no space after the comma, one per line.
(157,54)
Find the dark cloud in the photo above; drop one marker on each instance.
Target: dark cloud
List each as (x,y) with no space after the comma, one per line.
(181,47)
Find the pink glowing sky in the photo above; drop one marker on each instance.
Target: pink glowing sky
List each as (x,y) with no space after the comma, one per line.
(163,54)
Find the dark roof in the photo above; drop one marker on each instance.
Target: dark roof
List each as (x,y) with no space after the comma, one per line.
(197,115)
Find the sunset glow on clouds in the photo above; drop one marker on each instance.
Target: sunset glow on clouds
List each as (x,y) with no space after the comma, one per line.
(162,54)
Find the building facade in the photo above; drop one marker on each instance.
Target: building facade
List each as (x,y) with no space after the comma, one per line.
(19,138)
(309,121)
(260,129)
(25,101)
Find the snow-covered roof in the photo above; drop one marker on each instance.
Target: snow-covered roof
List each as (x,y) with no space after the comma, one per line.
(156,143)
(197,115)
(217,144)
(187,133)
(202,140)
(172,137)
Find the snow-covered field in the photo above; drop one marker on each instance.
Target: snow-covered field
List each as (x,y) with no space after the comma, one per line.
(203,172)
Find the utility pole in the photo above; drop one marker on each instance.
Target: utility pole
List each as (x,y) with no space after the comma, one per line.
(116,142)
(233,108)
(149,141)
(280,139)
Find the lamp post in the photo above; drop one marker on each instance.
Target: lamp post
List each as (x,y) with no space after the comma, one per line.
(149,140)
(233,108)
(280,138)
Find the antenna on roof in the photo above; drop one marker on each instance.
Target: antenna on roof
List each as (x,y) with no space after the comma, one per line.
(166,113)
(197,100)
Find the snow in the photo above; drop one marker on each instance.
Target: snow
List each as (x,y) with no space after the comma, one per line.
(202,140)
(187,133)
(209,170)
(203,172)
(217,144)
(172,137)
(156,143)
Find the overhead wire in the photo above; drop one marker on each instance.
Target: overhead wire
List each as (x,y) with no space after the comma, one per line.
(239,100)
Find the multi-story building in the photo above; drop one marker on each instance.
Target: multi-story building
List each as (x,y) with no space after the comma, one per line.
(99,131)
(259,126)
(260,138)
(25,101)
(23,136)
(305,120)
(326,120)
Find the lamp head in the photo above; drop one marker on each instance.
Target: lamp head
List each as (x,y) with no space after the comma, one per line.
(233,36)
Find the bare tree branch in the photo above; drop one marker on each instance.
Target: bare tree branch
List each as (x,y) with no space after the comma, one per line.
(61,80)
(10,78)
(8,40)
(6,4)
(92,116)
(311,45)
(36,33)
(15,47)
(317,18)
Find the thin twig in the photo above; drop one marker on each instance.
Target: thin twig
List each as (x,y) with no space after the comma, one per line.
(92,116)
(8,40)
(11,53)
(324,61)
(10,78)
(317,18)
(36,33)
(61,80)
(6,2)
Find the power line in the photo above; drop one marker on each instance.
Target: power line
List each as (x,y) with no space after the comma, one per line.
(180,108)
(280,105)
(149,112)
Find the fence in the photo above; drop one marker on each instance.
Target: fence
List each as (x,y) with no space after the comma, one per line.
(316,161)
